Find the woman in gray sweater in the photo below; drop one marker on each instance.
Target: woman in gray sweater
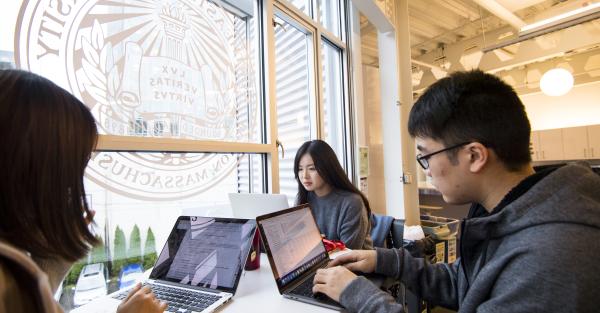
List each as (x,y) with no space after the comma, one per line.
(341,210)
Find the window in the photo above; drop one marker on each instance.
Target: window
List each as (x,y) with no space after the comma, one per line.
(126,193)
(333,98)
(294,81)
(172,77)
(303,5)
(310,83)
(329,16)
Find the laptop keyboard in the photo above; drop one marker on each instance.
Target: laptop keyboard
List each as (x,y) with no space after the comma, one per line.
(179,300)
(305,289)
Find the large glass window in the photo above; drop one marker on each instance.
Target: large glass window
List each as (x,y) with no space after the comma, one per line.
(302,114)
(137,202)
(304,6)
(329,16)
(294,81)
(162,69)
(158,76)
(333,98)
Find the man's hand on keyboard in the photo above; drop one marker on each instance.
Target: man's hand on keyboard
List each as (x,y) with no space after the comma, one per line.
(141,300)
(331,281)
(363,261)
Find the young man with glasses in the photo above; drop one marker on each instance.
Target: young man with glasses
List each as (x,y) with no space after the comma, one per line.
(530,241)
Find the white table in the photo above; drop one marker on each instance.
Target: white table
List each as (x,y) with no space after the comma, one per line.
(257,292)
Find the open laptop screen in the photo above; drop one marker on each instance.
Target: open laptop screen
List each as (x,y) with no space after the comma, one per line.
(251,205)
(294,241)
(205,252)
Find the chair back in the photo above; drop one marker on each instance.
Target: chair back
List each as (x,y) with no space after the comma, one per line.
(397,233)
(381,226)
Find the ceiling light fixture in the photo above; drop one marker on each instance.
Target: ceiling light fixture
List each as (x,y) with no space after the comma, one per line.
(580,15)
(581,12)
(556,82)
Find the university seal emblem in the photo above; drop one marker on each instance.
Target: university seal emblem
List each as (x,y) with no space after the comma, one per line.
(145,68)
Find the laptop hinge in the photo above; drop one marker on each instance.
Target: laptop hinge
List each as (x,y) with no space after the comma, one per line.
(302,277)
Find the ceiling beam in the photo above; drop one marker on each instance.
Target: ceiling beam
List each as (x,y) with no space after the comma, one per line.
(533,50)
(501,12)
(459,9)
(443,21)
(374,14)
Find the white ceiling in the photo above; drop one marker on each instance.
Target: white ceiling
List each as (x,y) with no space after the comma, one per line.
(439,23)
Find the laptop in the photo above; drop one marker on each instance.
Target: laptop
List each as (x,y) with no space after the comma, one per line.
(199,267)
(293,244)
(251,205)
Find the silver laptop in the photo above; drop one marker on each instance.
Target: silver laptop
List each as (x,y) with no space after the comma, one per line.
(199,268)
(251,205)
(293,243)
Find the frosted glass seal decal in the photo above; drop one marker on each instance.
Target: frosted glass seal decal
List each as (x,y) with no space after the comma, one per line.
(145,68)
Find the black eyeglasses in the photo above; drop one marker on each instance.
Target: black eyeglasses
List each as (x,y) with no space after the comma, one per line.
(423,159)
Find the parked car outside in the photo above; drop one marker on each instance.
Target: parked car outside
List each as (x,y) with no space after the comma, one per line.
(58,292)
(91,284)
(130,275)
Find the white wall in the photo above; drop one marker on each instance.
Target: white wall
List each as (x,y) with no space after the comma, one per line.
(374,138)
(579,107)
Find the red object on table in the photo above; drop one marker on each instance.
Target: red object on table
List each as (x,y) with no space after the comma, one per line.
(333,245)
(253,261)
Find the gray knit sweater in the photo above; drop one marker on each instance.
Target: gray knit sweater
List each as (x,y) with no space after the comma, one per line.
(341,215)
(542,256)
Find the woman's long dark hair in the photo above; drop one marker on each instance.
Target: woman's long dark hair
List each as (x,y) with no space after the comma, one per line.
(47,136)
(329,169)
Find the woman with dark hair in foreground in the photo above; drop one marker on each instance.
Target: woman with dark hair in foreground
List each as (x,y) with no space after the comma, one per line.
(46,140)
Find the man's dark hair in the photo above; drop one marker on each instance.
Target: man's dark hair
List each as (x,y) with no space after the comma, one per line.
(329,168)
(47,137)
(474,106)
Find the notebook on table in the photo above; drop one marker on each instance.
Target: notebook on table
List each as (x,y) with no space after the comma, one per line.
(199,267)
(293,244)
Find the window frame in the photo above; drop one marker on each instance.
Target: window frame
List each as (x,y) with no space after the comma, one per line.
(269,148)
(321,33)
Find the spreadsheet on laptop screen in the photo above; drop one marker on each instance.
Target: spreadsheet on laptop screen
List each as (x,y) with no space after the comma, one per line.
(294,240)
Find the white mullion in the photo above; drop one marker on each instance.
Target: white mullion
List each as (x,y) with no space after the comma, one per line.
(319,85)
(349,109)
(310,28)
(344,9)
(130,143)
(349,113)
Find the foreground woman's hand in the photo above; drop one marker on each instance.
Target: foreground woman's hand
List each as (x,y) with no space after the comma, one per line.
(141,300)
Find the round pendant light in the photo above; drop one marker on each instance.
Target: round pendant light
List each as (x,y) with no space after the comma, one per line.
(556,82)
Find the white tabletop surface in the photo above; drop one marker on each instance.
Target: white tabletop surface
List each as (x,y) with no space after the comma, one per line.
(257,292)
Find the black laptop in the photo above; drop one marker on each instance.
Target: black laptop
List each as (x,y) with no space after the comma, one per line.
(293,243)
